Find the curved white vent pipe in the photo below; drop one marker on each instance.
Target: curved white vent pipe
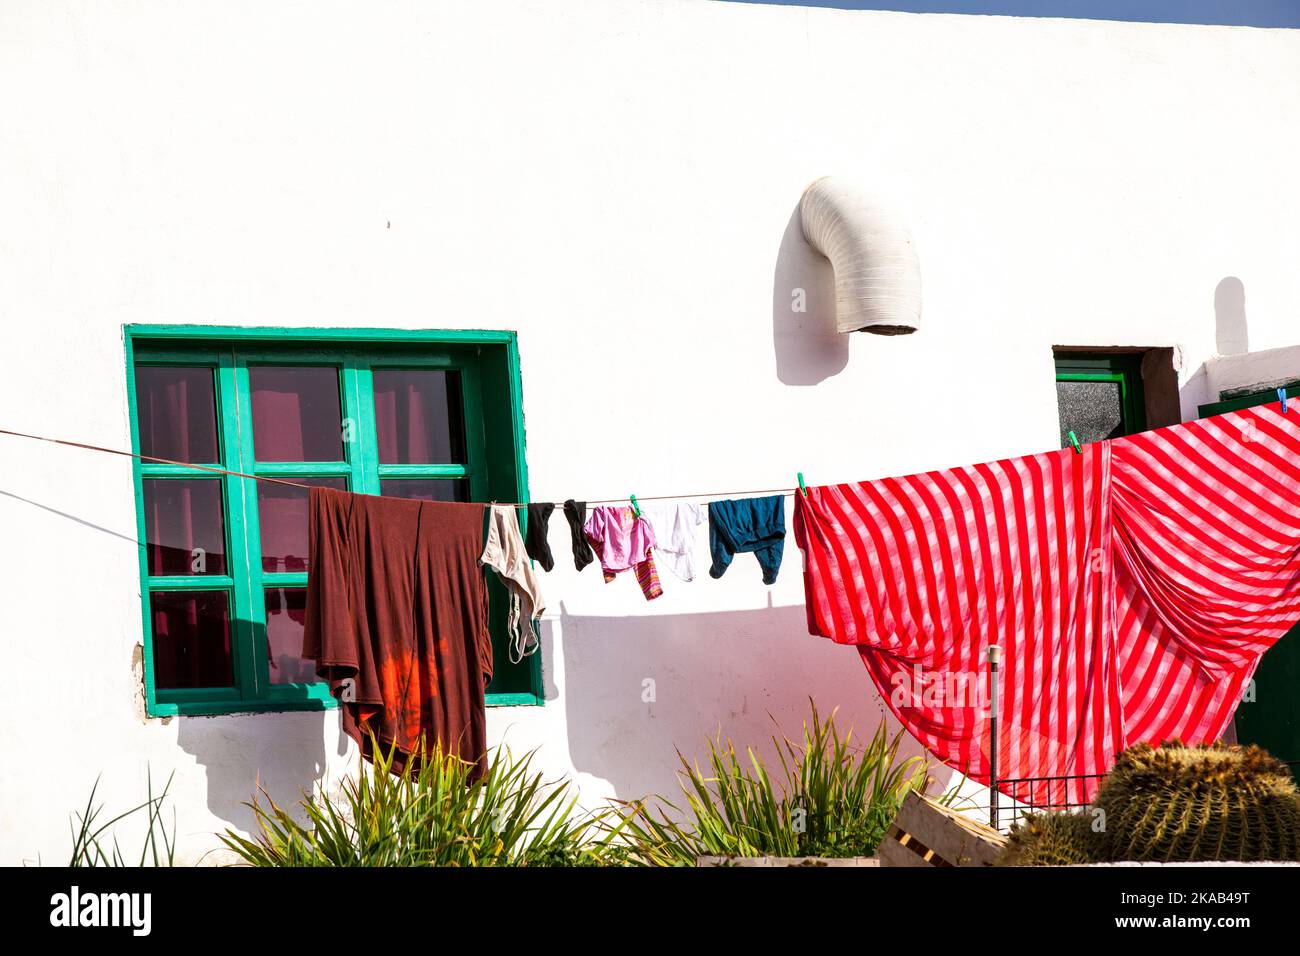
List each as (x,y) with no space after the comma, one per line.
(877,273)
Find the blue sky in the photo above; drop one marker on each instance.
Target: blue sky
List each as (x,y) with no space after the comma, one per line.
(1255,13)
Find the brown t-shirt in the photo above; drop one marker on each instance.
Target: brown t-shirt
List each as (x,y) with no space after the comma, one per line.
(397,603)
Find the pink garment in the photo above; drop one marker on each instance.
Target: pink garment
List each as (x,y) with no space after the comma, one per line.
(623,541)
(620,539)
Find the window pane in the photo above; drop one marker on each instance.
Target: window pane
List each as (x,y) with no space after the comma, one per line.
(191,639)
(418,417)
(286,610)
(296,414)
(185,531)
(282,517)
(176,409)
(426,489)
(1092,410)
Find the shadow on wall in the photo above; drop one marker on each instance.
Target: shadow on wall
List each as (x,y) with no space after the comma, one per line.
(640,688)
(1231,335)
(808,349)
(71,517)
(637,689)
(281,753)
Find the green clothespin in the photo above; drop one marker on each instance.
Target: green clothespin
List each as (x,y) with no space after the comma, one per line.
(636,508)
(1074,440)
(803,489)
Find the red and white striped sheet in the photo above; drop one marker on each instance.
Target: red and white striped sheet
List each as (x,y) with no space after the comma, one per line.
(1132,588)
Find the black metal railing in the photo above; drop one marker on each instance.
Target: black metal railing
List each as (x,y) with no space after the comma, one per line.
(1055,794)
(1052,794)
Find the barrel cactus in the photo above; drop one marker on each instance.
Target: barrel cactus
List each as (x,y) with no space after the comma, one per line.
(1049,839)
(1172,804)
(1185,804)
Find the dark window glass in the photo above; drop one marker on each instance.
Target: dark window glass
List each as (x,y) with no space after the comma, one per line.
(185,529)
(176,410)
(191,639)
(418,417)
(1092,410)
(286,610)
(426,489)
(296,413)
(282,519)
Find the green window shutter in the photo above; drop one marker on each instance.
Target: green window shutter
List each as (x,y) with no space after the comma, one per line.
(1272,719)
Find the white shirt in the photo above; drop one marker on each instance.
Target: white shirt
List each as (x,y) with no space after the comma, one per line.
(675,525)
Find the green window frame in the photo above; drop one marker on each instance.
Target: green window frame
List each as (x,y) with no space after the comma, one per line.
(495,469)
(1123,368)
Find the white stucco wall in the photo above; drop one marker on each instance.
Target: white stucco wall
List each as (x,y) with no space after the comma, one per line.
(618,181)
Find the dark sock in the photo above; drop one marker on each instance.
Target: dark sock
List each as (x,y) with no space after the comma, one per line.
(535,543)
(576,512)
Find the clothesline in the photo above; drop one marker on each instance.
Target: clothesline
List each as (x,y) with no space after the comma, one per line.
(1175,551)
(298,484)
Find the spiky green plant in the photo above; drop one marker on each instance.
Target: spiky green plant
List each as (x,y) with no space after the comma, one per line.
(829,798)
(90,838)
(1050,839)
(432,813)
(1187,804)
